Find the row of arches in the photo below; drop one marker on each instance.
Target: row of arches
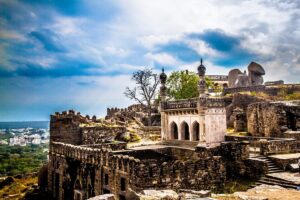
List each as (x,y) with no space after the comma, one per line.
(185,132)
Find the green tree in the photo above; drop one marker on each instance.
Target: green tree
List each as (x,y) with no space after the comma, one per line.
(184,85)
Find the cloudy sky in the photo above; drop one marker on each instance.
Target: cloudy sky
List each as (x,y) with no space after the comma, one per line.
(73,54)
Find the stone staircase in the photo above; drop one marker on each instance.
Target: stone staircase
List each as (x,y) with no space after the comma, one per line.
(272,168)
(268,179)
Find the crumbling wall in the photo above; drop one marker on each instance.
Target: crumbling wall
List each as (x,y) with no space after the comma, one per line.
(99,134)
(240,101)
(64,127)
(266,119)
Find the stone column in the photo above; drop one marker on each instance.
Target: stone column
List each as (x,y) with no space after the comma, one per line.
(163,93)
(201,105)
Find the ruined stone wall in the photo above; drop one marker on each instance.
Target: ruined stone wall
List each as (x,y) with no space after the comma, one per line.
(64,127)
(203,173)
(266,119)
(252,88)
(99,134)
(233,154)
(81,172)
(240,101)
(269,145)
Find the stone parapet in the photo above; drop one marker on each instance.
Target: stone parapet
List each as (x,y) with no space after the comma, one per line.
(252,88)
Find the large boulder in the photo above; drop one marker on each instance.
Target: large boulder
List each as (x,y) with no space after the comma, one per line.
(255,71)
(242,80)
(232,77)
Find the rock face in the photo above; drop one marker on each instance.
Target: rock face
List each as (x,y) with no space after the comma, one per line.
(232,77)
(242,80)
(238,79)
(256,71)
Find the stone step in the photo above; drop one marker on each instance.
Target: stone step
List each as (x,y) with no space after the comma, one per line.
(273,168)
(275,183)
(278,180)
(275,171)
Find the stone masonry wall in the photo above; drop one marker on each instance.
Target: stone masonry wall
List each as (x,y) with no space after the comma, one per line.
(64,127)
(265,119)
(99,134)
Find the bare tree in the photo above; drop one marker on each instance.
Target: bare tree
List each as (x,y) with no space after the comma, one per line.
(145,91)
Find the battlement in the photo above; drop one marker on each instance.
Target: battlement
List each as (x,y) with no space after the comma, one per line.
(73,115)
(135,107)
(92,155)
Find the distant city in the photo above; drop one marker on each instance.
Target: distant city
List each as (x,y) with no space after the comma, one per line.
(24,133)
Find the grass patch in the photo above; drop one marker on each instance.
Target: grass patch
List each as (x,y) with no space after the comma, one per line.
(18,188)
(235,185)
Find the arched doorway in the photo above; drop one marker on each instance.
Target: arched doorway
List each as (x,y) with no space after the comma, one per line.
(185,132)
(196,131)
(174,131)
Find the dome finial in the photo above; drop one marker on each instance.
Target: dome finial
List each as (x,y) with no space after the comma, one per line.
(163,69)
(201,61)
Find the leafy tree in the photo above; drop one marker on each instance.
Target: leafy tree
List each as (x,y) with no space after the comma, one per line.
(184,85)
(145,91)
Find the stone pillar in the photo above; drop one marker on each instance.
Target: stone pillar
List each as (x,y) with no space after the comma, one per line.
(163,93)
(202,100)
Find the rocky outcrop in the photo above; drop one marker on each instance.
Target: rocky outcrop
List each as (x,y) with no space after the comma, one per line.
(238,79)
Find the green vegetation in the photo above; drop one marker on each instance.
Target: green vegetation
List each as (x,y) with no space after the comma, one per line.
(184,85)
(235,185)
(21,160)
(283,94)
(23,188)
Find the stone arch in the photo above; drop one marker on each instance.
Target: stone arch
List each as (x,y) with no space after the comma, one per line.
(174,131)
(185,131)
(196,131)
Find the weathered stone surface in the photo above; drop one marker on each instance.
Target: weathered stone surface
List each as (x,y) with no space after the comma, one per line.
(240,101)
(103,197)
(160,194)
(255,71)
(268,192)
(238,79)
(232,77)
(242,80)
(240,120)
(272,119)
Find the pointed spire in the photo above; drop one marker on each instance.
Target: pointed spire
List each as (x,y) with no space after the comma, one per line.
(201,61)
(163,70)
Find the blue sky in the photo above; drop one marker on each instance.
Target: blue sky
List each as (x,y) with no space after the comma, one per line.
(74,54)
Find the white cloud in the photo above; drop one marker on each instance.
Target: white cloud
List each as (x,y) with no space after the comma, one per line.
(163,59)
